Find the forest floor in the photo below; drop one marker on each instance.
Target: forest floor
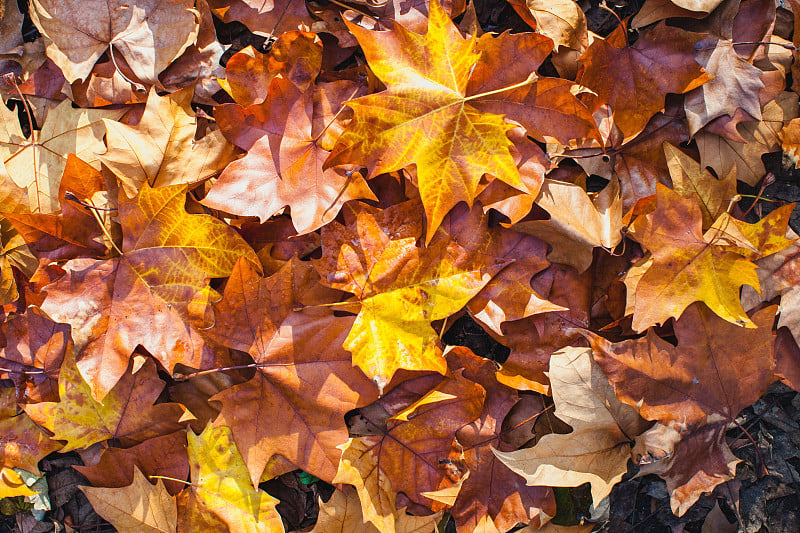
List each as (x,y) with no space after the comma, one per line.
(763,498)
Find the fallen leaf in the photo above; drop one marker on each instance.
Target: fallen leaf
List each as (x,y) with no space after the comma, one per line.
(598,448)
(697,382)
(286,169)
(294,342)
(686,267)
(161,150)
(148,294)
(401,288)
(578,223)
(139,507)
(633,80)
(689,179)
(79,32)
(36,164)
(127,413)
(724,155)
(221,496)
(561,20)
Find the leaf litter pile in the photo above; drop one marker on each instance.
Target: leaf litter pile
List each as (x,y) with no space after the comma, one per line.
(231,294)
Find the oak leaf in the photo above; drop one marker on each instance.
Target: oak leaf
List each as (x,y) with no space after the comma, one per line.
(137,507)
(598,447)
(148,294)
(221,497)
(127,413)
(78,32)
(294,342)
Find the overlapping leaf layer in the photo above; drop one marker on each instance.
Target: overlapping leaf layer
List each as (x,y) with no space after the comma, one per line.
(215,276)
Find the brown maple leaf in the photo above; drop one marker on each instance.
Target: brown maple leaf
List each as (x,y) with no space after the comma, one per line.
(294,342)
(151,293)
(634,79)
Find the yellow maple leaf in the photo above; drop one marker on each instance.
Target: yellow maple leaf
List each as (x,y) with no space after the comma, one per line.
(401,287)
(425,118)
(689,266)
(221,492)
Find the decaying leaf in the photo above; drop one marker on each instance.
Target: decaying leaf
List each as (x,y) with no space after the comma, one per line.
(598,447)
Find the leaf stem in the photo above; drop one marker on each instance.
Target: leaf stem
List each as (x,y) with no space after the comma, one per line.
(172,479)
(529,81)
(100,223)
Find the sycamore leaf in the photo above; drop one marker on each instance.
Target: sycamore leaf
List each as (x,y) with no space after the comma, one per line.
(139,507)
(358,468)
(285,168)
(34,342)
(490,492)
(691,463)
(696,387)
(36,164)
(689,179)
(263,17)
(157,456)
(598,448)
(509,295)
(161,149)
(295,55)
(424,117)
(686,266)
(342,514)
(401,288)
(127,413)
(276,412)
(410,453)
(779,275)
(561,20)
(724,155)
(74,231)
(22,443)
(699,381)
(633,80)
(578,223)
(736,84)
(149,34)
(221,496)
(148,294)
